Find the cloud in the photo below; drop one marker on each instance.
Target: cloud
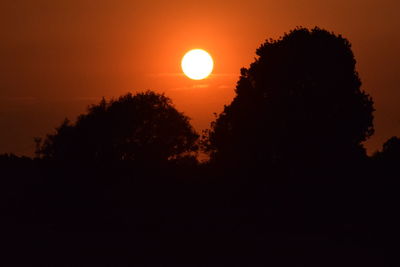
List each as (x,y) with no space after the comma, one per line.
(195,86)
(165,74)
(224,74)
(200,86)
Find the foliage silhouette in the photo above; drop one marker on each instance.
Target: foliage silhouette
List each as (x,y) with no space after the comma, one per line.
(300,101)
(144,128)
(386,162)
(390,151)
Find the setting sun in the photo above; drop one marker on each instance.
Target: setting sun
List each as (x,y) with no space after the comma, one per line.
(197,64)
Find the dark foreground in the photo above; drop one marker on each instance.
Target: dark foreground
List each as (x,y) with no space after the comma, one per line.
(124,214)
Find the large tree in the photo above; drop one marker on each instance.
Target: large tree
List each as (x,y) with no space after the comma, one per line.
(300,100)
(144,127)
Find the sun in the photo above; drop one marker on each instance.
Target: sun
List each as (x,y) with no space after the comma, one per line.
(197,64)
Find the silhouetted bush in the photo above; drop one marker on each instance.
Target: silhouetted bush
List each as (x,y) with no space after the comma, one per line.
(390,151)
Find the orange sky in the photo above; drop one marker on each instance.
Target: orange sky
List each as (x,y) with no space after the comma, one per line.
(56,57)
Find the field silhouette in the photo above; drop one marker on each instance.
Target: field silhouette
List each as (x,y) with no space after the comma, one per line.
(288,181)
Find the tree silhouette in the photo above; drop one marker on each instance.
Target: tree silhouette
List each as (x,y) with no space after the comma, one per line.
(391,150)
(387,160)
(144,127)
(299,101)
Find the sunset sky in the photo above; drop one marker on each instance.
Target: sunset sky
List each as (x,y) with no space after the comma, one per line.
(56,57)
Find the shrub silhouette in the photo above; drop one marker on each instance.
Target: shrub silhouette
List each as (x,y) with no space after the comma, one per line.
(388,159)
(144,127)
(299,101)
(391,150)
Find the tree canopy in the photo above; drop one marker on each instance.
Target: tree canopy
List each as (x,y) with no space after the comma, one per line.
(390,153)
(143,127)
(300,99)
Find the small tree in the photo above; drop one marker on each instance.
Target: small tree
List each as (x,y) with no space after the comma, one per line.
(299,100)
(144,127)
(390,153)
